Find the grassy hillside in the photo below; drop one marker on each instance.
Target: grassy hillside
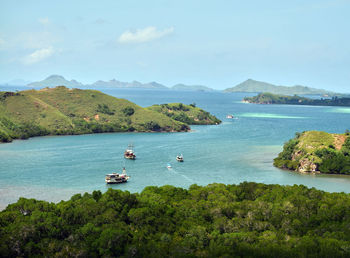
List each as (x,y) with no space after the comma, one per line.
(269,98)
(73,111)
(246,220)
(315,151)
(189,114)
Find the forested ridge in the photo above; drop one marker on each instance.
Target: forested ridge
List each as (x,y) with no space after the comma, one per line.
(246,220)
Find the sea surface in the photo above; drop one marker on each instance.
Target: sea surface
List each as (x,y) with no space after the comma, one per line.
(54,168)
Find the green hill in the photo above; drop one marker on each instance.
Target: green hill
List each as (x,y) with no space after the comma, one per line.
(315,151)
(61,110)
(269,98)
(246,220)
(258,86)
(189,114)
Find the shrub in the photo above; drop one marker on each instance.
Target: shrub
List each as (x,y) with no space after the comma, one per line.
(104,109)
(128,111)
(153,126)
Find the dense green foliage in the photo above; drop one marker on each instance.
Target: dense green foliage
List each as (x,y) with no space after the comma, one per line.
(128,111)
(284,159)
(269,98)
(246,220)
(62,111)
(335,161)
(104,109)
(318,151)
(188,114)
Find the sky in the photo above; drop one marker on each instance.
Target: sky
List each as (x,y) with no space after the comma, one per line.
(214,43)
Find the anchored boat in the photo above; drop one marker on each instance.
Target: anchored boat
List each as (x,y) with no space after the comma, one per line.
(116,178)
(129,152)
(180,158)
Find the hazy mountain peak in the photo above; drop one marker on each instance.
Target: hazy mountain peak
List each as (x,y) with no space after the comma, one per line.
(56,80)
(181,86)
(55,76)
(251,85)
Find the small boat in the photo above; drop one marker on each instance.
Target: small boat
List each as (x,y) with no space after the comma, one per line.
(229,116)
(116,178)
(169,166)
(180,158)
(129,152)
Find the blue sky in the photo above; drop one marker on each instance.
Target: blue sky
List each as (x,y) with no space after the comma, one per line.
(214,43)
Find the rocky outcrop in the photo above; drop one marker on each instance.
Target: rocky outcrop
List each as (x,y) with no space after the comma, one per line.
(306,165)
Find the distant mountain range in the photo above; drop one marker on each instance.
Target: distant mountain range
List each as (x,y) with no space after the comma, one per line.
(134,84)
(58,80)
(257,86)
(246,86)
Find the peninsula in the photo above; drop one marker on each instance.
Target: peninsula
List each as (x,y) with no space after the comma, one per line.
(317,152)
(269,98)
(189,114)
(64,111)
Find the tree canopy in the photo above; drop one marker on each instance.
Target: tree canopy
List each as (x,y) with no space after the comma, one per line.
(249,220)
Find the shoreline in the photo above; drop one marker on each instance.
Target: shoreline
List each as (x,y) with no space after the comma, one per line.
(136,132)
(315,173)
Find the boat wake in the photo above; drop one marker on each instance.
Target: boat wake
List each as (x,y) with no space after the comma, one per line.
(184,176)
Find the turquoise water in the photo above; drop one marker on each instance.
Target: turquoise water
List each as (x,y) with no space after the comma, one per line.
(53,168)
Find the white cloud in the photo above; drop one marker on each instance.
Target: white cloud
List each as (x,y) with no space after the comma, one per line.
(144,35)
(44,21)
(38,55)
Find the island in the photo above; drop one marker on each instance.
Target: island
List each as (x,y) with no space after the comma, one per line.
(66,111)
(189,114)
(245,220)
(259,86)
(316,152)
(269,98)
(184,87)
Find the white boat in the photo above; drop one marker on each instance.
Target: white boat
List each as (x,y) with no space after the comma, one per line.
(116,178)
(180,158)
(229,116)
(129,152)
(169,166)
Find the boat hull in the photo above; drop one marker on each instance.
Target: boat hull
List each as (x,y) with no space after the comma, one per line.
(116,182)
(116,178)
(130,157)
